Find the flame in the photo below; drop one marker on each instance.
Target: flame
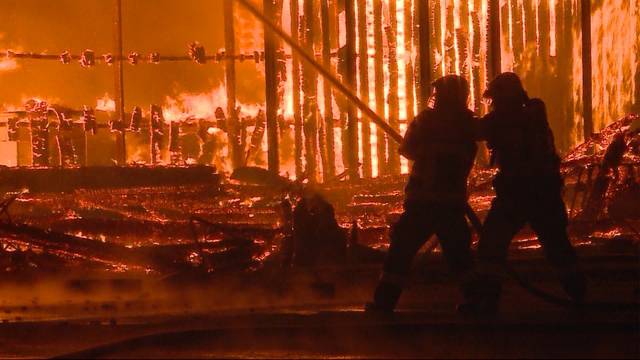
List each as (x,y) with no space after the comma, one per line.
(614,57)
(202,105)
(552,27)
(8,64)
(614,52)
(106,104)
(371,51)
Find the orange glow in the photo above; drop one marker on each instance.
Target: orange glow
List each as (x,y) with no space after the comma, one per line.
(202,106)
(552,27)
(522,28)
(8,64)
(106,104)
(615,58)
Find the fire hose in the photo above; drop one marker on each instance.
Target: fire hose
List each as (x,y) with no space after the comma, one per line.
(396,136)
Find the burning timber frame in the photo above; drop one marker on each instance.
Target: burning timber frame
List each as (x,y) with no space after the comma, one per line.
(425,25)
(347,87)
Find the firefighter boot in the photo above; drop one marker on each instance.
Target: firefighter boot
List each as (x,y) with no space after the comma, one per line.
(385,299)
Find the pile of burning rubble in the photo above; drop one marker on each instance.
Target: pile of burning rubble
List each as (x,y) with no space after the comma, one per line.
(240,226)
(604,173)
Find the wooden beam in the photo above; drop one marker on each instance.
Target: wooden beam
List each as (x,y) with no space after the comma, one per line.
(408,48)
(449,50)
(352,116)
(271,93)
(462,38)
(295,91)
(438,35)
(636,107)
(587,90)
(330,170)
(476,57)
(119,80)
(493,39)
(518,36)
(424,52)
(394,106)
(310,102)
(378,66)
(363,63)
(230,79)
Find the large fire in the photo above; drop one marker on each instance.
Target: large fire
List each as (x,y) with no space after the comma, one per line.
(8,65)
(540,40)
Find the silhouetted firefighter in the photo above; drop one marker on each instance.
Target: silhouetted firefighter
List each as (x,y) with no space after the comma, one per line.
(441,142)
(528,190)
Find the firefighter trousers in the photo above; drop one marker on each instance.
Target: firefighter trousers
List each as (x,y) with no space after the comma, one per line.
(546,214)
(416,225)
(547,217)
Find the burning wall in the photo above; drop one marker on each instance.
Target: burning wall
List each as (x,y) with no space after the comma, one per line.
(540,40)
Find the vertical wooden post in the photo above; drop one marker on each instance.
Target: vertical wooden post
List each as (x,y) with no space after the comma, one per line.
(530,21)
(330,170)
(119,79)
(352,116)
(271,91)
(493,39)
(476,57)
(310,103)
(545,36)
(295,91)
(564,34)
(636,106)
(587,91)
(417,45)
(424,52)
(230,80)
(518,46)
(462,38)
(437,27)
(450,52)
(394,111)
(408,48)
(363,63)
(379,83)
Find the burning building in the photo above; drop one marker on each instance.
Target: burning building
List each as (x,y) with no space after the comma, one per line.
(375,47)
(304,101)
